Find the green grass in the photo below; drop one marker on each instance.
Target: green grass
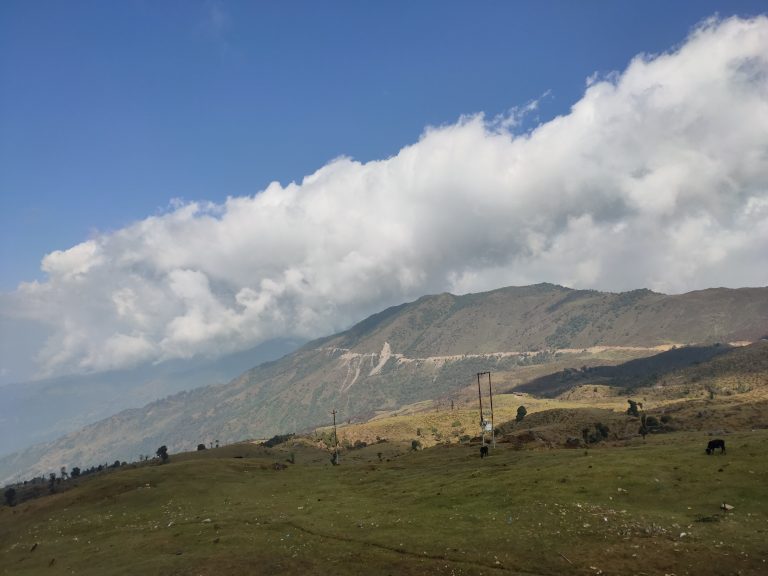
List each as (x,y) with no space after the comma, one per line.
(614,510)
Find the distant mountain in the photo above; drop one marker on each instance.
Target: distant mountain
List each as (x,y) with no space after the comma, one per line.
(421,350)
(39,411)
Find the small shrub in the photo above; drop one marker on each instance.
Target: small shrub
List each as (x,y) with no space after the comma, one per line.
(415,445)
(200,447)
(162,453)
(456,424)
(666,418)
(521,412)
(600,433)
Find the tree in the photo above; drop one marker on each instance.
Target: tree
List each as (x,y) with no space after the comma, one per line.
(75,472)
(632,410)
(162,453)
(521,412)
(200,447)
(10,496)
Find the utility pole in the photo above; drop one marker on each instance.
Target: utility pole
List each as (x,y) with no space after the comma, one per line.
(335,439)
(482,419)
(480,396)
(493,428)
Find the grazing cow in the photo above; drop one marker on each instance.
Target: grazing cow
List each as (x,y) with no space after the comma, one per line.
(483,451)
(713,444)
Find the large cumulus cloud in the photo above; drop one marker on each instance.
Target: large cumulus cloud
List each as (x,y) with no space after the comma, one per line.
(657,177)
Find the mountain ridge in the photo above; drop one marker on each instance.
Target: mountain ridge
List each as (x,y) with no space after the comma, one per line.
(415,351)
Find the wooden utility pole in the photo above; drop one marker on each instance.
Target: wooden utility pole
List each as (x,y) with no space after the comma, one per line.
(480,396)
(335,439)
(493,428)
(482,419)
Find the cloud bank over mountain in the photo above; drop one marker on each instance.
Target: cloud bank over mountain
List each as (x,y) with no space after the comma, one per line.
(657,177)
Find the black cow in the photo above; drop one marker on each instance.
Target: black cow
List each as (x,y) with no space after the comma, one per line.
(483,451)
(713,444)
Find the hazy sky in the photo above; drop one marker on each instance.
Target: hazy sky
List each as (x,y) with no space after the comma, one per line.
(183,178)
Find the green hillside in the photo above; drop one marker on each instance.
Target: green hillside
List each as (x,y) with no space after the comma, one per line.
(648,507)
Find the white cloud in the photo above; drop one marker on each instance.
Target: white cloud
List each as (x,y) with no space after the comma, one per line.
(73,263)
(658,177)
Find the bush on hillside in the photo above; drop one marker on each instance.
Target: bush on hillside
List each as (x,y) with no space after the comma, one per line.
(600,433)
(521,412)
(277,439)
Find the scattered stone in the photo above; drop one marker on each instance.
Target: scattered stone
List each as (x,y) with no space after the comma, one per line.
(726,507)
(34,547)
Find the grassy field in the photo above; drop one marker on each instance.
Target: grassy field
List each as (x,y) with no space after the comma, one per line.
(648,507)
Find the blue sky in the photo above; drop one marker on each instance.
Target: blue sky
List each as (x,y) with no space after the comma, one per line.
(108,110)
(182,179)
